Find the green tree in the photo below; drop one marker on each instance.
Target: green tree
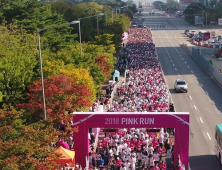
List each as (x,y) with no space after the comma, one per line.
(32,15)
(218,10)
(18,60)
(158,4)
(172,6)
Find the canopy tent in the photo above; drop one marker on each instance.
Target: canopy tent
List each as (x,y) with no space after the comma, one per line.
(63,144)
(67,156)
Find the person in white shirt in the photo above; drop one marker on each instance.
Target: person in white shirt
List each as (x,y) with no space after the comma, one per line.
(156,157)
(151,161)
(160,139)
(146,159)
(145,142)
(139,157)
(128,150)
(127,164)
(133,162)
(122,153)
(111,152)
(123,167)
(166,136)
(124,145)
(115,153)
(150,149)
(124,158)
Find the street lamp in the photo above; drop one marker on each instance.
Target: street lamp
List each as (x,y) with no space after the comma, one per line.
(100,14)
(97,15)
(203,13)
(40,59)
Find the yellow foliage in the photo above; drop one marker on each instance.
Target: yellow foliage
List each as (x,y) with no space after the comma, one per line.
(80,75)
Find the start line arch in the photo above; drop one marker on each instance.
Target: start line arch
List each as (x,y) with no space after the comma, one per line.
(177,120)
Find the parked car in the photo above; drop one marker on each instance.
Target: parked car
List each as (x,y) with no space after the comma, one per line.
(195,36)
(181,86)
(191,34)
(186,31)
(192,31)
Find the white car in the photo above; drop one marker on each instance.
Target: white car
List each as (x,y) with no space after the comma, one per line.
(190,32)
(181,86)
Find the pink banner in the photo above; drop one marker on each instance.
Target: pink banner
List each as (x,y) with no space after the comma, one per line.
(179,121)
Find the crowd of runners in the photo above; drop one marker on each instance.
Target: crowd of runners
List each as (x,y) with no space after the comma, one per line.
(144,90)
(133,149)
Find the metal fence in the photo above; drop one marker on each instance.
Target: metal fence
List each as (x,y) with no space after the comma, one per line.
(207,65)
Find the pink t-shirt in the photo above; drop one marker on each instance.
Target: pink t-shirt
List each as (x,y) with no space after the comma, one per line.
(104,143)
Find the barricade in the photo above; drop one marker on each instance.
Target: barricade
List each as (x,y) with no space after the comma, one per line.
(211,46)
(205,45)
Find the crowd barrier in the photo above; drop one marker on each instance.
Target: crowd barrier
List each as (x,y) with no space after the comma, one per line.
(204,44)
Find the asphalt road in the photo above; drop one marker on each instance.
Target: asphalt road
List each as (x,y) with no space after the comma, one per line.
(203,100)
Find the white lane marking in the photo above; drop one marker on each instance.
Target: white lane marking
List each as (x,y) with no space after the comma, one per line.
(178,74)
(182,58)
(201,120)
(208,136)
(195,107)
(188,66)
(173,65)
(191,71)
(175,69)
(185,62)
(190,97)
(171,60)
(201,85)
(206,93)
(213,102)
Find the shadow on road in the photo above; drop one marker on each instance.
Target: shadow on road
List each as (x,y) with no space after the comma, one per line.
(203,162)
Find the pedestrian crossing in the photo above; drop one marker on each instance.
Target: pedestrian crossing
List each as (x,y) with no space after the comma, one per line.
(171,28)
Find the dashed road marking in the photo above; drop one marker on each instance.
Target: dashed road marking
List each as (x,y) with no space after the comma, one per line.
(195,107)
(201,120)
(188,66)
(175,69)
(182,58)
(206,92)
(190,97)
(191,71)
(208,136)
